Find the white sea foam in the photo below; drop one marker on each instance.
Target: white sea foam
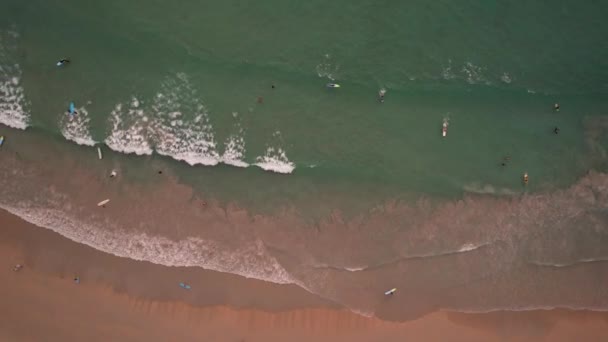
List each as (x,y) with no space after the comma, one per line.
(12,97)
(326,69)
(447,73)
(177,125)
(474,74)
(467,247)
(506,78)
(251,261)
(570,263)
(275,159)
(234,147)
(522,308)
(76,127)
(181,127)
(129,132)
(487,189)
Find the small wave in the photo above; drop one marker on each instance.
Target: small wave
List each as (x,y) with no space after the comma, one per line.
(178,127)
(524,308)
(467,247)
(234,151)
(474,74)
(506,78)
(447,72)
(129,137)
(487,189)
(275,159)
(177,135)
(567,264)
(76,127)
(12,96)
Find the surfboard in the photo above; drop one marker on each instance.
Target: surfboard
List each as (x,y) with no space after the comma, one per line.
(333,85)
(99,153)
(1,140)
(390,292)
(72,109)
(444,130)
(102,203)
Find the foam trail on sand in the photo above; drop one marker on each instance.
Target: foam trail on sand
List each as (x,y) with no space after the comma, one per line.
(252,261)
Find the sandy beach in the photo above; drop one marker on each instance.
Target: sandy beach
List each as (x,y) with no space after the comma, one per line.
(119,299)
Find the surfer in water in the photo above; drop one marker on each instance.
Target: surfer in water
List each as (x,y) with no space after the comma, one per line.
(63,62)
(556,130)
(556,107)
(72,109)
(381,94)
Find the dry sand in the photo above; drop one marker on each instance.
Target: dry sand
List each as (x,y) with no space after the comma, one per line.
(125,300)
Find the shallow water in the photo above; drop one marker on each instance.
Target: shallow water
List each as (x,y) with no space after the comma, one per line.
(326,188)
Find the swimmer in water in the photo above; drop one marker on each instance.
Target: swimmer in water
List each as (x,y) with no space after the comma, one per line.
(381,94)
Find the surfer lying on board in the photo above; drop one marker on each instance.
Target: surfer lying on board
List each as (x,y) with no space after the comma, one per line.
(63,62)
(72,109)
(381,94)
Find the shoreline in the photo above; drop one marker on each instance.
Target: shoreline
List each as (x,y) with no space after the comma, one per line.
(123,299)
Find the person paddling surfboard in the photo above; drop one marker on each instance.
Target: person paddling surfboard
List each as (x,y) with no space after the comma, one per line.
(63,62)
(72,109)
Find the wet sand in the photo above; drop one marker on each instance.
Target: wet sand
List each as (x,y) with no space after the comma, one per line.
(120,299)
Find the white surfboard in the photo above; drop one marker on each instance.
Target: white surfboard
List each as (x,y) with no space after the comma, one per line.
(390,292)
(444,130)
(99,153)
(102,203)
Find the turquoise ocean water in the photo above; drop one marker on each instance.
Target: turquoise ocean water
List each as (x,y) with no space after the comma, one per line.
(326,188)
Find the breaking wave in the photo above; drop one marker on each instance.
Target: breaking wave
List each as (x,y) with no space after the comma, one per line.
(177,125)
(12,97)
(77,128)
